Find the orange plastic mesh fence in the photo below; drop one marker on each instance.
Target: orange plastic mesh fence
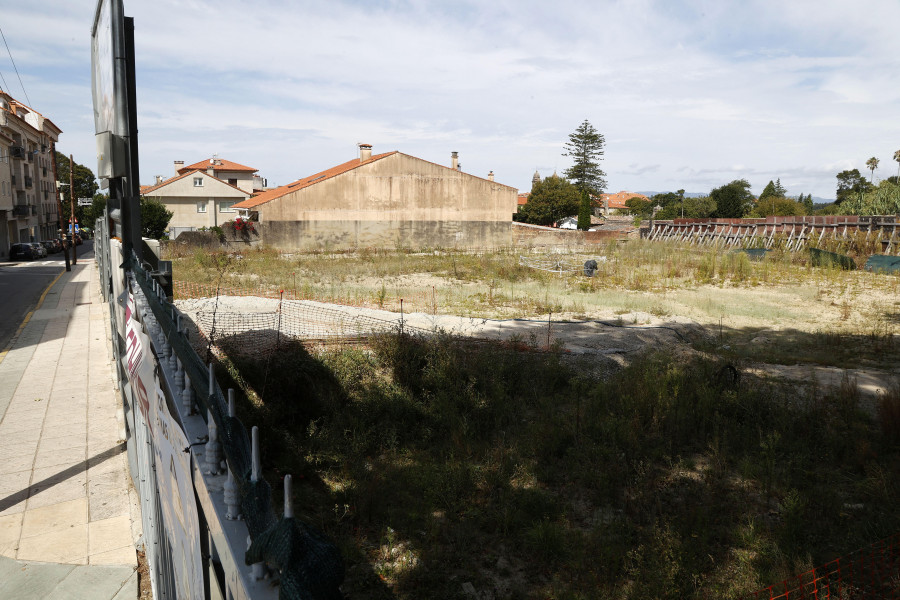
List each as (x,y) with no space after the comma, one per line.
(872,573)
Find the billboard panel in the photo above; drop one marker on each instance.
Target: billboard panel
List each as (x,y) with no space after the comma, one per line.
(108,88)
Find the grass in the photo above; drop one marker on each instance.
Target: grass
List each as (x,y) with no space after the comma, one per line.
(719,289)
(436,463)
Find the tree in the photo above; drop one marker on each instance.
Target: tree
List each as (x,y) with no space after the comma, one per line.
(690,208)
(552,199)
(779,189)
(807,203)
(768,191)
(154,218)
(95,210)
(585,146)
(882,200)
(897,158)
(639,207)
(777,206)
(733,200)
(851,184)
(584,212)
(85,186)
(872,164)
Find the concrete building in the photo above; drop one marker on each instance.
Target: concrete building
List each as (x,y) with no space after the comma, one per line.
(203,197)
(385,200)
(28,207)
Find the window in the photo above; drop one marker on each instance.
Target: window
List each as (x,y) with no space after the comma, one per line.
(201,207)
(225,206)
(198,182)
(233,182)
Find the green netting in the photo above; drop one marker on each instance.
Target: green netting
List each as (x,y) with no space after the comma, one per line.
(823,258)
(311,565)
(882,263)
(753,253)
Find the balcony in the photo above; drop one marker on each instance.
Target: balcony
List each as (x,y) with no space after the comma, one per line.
(29,182)
(20,210)
(17,152)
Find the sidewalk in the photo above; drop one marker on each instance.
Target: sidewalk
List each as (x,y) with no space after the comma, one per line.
(68,511)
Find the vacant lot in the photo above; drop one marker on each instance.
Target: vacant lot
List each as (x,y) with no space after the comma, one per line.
(780,310)
(446,468)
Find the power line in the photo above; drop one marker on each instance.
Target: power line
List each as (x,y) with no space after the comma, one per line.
(15,68)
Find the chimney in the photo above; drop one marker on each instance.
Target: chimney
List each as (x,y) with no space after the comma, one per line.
(179,164)
(491,176)
(454,161)
(159,179)
(365,152)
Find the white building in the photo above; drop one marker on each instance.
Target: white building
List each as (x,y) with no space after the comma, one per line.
(202,194)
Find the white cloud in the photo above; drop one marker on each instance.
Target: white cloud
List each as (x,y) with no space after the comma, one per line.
(689,94)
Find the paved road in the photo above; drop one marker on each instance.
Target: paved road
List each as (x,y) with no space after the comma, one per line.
(21,286)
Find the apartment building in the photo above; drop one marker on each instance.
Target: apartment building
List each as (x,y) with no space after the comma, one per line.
(28,208)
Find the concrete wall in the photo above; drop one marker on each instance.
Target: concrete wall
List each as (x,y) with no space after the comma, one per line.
(526,235)
(331,235)
(398,200)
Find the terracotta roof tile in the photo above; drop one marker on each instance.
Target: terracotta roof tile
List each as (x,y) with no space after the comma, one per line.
(220,164)
(617,200)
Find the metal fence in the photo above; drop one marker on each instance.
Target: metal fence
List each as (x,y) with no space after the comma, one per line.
(871,573)
(221,538)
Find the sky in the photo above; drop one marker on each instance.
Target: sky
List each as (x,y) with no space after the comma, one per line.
(687,94)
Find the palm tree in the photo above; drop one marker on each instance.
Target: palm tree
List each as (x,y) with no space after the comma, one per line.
(872,163)
(897,158)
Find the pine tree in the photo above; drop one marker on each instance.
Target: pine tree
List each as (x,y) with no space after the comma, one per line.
(807,203)
(768,191)
(585,146)
(779,189)
(584,212)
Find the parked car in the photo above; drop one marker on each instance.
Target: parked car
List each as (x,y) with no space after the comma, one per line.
(49,246)
(21,252)
(78,240)
(39,250)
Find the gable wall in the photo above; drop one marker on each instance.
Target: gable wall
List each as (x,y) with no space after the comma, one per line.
(397,200)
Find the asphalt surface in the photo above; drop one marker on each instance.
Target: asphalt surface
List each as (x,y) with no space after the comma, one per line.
(21,286)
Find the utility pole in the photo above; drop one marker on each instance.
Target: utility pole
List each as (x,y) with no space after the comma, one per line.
(59,213)
(72,205)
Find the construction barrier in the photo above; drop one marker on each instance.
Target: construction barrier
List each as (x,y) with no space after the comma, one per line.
(871,573)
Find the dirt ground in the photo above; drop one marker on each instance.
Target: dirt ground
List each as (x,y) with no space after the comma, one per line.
(611,338)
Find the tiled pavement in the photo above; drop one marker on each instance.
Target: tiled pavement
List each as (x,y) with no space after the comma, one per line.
(68,512)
